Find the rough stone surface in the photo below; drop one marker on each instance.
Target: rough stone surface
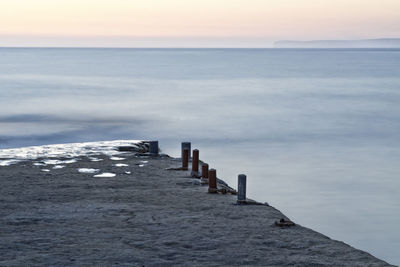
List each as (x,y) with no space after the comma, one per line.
(150,217)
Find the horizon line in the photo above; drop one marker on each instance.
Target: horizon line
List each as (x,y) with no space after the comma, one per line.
(178,47)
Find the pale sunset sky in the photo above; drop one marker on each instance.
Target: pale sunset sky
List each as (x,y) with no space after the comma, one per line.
(192,23)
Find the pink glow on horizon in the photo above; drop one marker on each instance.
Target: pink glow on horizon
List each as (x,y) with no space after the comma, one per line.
(256,21)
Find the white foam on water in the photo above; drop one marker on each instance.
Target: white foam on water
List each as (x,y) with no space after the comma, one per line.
(117,158)
(121,165)
(141,165)
(69,161)
(128,172)
(72,150)
(87,170)
(144,161)
(95,159)
(59,167)
(8,162)
(105,174)
(52,162)
(45,170)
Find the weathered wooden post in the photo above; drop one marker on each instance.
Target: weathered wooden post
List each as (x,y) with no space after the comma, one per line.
(195,163)
(186,145)
(185,159)
(212,181)
(153,149)
(241,188)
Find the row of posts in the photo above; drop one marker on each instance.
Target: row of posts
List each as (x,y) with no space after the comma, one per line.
(206,174)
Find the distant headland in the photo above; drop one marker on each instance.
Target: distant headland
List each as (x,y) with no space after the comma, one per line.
(367,43)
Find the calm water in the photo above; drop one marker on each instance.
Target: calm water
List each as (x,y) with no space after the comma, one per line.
(316,131)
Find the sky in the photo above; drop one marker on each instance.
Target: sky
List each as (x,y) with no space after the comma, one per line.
(187,23)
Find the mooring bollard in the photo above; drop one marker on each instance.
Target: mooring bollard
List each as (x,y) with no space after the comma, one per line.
(185,159)
(204,171)
(195,162)
(212,181)
(153,149)
(186,145)
(241,188)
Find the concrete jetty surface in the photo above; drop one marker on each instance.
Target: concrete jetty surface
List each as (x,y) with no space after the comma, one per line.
(145,215)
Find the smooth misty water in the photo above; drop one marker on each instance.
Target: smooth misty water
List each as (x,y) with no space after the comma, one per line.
(316,131)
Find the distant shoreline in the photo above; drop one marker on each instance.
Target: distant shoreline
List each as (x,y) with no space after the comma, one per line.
(346,44)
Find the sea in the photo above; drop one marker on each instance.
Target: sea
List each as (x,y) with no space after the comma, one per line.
(316,131)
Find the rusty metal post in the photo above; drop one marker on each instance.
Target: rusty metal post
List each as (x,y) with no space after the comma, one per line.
(212,181)
(153,149)
(241,188)
(186,145)
(195,162)
(204,171)
(185,159)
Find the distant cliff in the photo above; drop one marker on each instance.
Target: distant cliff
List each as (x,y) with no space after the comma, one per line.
(368,43)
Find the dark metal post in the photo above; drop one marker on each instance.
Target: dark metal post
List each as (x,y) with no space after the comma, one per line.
(185,159)
(195,162)
(153,148)
(212,181)
(241,188)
